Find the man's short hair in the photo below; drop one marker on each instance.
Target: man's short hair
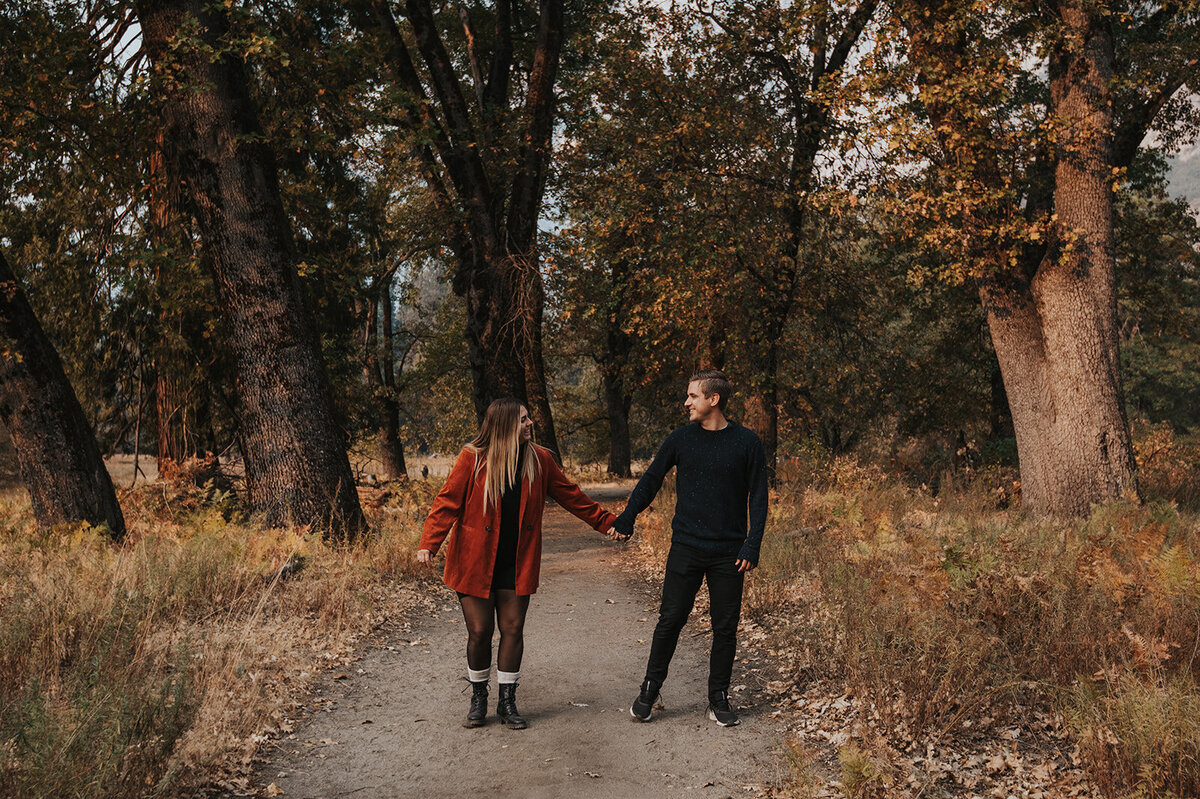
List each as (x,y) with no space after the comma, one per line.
(713,381)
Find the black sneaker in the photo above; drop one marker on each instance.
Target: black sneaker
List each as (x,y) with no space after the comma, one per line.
(720,711)
(643,707)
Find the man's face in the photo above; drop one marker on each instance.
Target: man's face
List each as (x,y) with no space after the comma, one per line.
(525,425)
(699,407)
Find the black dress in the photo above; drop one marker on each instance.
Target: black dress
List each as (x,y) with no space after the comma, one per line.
(505,574)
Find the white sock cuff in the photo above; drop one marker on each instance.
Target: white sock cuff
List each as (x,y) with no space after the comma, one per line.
(506,677)
(479,675)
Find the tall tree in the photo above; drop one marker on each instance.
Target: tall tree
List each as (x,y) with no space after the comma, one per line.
(59,460)
(297,470)
(1023,175)
(700,137)
(485,162)
(801,55)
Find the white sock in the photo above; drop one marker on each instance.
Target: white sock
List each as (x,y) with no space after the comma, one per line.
(479,675)
(506,677)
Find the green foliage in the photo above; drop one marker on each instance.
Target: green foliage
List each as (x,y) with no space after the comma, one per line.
(1158,274)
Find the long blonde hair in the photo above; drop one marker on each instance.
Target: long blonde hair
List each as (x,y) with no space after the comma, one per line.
(499,442)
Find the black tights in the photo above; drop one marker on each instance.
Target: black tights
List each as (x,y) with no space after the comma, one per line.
(503,608)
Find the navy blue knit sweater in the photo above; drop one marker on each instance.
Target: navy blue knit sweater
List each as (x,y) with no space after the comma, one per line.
(719,474)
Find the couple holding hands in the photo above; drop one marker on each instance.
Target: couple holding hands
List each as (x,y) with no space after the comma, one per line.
(493,499)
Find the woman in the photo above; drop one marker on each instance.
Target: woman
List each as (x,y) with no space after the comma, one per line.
(493,499)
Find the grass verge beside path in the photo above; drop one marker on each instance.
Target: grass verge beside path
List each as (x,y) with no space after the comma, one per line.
(156,667)
(951,647)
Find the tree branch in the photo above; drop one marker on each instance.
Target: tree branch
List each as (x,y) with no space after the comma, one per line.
(474,189)
(496,93)
(534,156)
(1136,124)
(854,28)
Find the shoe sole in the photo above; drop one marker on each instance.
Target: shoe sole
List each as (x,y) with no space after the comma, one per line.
(638,718)
(713,717)
(514,725)
(474,723)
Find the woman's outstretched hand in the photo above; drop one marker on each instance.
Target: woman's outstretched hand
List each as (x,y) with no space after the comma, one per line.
(615,536)
(424,556)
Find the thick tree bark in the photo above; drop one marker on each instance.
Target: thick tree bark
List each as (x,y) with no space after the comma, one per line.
(1056,336)
(59,459)
(175,429)
(495,329)
(171,412)
(297,470)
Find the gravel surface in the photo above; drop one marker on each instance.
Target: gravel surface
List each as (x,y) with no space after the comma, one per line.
(391,727)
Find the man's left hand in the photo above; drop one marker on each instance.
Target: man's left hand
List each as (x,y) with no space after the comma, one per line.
(744,565)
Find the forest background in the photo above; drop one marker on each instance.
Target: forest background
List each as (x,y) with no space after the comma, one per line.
(277,246)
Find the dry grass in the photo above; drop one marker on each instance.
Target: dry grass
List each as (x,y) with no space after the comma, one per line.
(939,610)
(151,667)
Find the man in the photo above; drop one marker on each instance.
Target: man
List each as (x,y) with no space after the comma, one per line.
(721,471)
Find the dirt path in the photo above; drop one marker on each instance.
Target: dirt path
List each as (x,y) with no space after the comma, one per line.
(392,727)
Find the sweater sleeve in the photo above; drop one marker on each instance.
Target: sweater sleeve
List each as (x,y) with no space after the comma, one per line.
(573,499)
(759,493)
(450,502)
(647,488)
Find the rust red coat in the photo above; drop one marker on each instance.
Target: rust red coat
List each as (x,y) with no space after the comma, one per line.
(471,554)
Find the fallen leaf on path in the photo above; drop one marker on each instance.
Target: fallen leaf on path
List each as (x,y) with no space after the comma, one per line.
(592,774)
(578,704)
(273,790)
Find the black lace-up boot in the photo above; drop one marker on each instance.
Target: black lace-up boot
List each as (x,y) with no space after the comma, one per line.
(477,715)
(506,708)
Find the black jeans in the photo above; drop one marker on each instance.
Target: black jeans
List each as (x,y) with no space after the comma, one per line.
(686,568)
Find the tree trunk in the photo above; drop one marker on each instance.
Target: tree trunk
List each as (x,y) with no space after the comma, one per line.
(616,398)
(56,448)
(391,448)
(762,406)
(164,227)
(537,391)
(171,411)
(504,339)
(297,470)
(712,347)
(494,328)
(1056,338)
